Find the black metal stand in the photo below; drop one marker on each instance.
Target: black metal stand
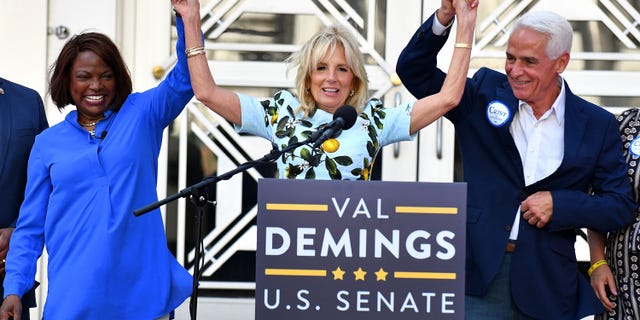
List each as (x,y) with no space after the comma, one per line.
(200,200)
(197,194)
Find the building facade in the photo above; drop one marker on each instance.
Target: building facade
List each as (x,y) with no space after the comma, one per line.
(246,42)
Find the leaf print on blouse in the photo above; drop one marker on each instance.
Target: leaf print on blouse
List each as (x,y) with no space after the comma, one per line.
(373,124)
(363,174)
(311,158)
(331,164)
(271,113)
(378,114)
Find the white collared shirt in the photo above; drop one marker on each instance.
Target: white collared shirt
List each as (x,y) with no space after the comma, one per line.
(540,143)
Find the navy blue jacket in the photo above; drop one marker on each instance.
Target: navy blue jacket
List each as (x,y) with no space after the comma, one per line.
(545,280)
(22,117)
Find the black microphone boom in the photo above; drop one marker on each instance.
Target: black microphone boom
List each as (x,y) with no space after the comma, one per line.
(343,119)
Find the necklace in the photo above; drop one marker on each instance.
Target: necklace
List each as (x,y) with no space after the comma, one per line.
(90,124)
(92,132)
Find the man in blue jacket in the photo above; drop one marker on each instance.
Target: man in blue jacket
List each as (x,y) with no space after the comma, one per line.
(22,117)
(539,161)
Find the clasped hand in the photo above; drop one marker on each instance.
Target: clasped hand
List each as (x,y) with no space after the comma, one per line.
(537,209)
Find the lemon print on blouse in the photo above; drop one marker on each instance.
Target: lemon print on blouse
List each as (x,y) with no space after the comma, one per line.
(331,145)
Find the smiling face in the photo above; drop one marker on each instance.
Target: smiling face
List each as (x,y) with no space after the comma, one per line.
(533,76)
(331,81)
(92,86)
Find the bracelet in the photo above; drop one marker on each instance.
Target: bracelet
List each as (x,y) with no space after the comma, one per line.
(192,52)
(595,266)
(462,45)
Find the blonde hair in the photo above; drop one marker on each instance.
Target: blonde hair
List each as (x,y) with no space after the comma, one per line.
(320,45)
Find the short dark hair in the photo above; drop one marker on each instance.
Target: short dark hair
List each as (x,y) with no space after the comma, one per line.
(103,47)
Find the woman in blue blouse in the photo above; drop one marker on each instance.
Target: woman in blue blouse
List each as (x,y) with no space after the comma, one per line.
(330,74)
(86,176)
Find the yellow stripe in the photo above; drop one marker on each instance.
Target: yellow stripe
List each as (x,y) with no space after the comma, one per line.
(296,272)
(425,275)
(428,210)
(297,207)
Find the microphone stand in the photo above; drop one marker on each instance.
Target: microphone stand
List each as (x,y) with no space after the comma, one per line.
(197,194)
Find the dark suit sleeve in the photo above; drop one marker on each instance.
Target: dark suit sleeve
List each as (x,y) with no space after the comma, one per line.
(37,108)
(26,118)
(417,64)
(42,116)
(611,205)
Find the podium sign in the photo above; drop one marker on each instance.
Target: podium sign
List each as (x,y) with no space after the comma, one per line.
(360,250)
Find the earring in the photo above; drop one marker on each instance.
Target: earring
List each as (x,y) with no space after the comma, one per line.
(351,93)
(307,91)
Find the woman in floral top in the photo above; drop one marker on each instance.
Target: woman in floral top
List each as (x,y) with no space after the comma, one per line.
(330,74)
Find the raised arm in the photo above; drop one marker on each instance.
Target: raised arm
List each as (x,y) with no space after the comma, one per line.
(222,101)
(432,107)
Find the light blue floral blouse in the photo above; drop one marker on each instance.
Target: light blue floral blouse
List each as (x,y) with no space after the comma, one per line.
(280,121)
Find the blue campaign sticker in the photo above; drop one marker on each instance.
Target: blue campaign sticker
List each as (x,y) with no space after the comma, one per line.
(498,113)
(634,147)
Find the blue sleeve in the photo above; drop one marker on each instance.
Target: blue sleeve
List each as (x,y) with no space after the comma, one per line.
(417,63)
(610,206)
(37,107)
(27,240)
(174,92)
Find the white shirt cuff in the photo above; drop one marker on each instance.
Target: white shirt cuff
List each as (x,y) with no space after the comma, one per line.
(437,27)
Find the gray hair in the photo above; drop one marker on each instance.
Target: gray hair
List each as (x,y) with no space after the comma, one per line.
(557,29)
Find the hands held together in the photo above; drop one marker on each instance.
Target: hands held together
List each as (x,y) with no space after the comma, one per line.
(463,9)
(537,209)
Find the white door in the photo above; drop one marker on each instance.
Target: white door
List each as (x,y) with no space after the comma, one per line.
(23,32)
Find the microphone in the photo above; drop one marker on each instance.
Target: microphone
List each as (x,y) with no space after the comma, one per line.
(343,119)
(103,135)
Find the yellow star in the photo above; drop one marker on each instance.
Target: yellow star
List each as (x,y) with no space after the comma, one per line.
(338,274)
(359,274)
(381,275)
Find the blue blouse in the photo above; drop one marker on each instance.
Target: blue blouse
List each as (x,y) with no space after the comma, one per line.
(280,121)
(104,263)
